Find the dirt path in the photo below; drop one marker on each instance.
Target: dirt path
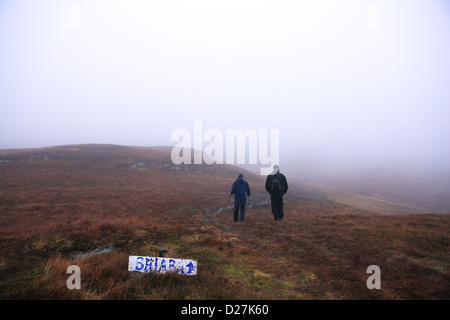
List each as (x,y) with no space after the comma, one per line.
(258,230)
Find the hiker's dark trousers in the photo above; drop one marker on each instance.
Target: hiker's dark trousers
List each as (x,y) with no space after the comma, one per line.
(277,206)
(239,205)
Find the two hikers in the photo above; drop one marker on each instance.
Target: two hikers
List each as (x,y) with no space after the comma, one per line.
(241,190)
(276,186)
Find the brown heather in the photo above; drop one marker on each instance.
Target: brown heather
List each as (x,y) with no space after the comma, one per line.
(78,198)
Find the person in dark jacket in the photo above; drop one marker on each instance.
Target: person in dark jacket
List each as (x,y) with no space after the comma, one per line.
(277,186)
(241,190)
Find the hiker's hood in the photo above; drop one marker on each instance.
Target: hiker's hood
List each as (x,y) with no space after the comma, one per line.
(276,169)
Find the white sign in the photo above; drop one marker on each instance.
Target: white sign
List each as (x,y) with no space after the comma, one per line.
(162,265)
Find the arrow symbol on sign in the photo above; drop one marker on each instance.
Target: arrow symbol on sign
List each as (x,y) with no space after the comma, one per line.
(190,266)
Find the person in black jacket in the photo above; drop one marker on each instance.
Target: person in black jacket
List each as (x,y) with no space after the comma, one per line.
(277,186)
(241,190)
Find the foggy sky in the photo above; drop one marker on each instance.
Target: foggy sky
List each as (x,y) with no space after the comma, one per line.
(347,83)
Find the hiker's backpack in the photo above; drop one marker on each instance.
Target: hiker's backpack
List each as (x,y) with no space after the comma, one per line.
(276,183)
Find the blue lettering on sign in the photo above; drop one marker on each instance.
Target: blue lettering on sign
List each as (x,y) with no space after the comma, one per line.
(148,264)
(171,264)
(162,265)
(141,265)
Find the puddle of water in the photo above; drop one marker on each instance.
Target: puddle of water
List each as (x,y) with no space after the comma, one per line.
(138,165)
(94,252)
(249,206)
(223,208)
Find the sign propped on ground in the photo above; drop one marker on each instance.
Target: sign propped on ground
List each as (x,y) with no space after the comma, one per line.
(162,265)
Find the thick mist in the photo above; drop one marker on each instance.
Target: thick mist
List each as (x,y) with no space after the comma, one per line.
(351,85)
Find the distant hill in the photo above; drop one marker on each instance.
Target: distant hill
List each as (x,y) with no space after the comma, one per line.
(128,179)
(109,179)
(389,190)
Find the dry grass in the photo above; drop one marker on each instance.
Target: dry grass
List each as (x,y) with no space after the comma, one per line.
(86,197)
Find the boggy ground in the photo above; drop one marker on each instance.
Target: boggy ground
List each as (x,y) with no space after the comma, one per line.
(80,198)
